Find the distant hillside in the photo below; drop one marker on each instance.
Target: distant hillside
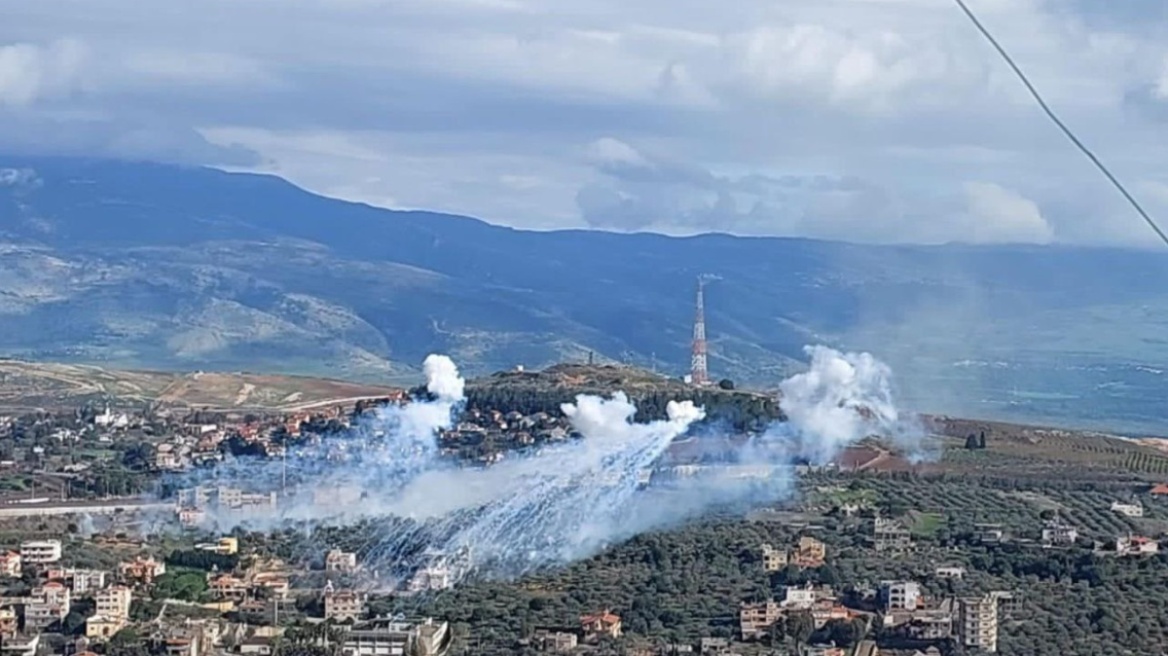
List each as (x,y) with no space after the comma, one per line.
(26,386)
(149,266)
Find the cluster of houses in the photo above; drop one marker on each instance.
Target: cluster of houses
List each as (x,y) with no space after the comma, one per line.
(58,589)
(484,435)
(900,608)
(262,587)
(591,629)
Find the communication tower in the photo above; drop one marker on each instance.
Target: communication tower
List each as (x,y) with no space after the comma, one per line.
(699,369)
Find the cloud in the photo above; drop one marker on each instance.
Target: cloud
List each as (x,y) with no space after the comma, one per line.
(856,119)
(647,192)
(30,72)
(998,214)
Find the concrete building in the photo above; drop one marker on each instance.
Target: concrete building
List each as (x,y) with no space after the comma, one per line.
(228,546)
(602,624)
(1136,545)
(978,622)
(340,605)
(773,559)
(809,552)
(340,561)
(141,570)
(956,573)
(102,627)
(40,552)
(796,597)
(1055,533)
(890,535)
(1128,509)
(21,645)
(225,498)
(431,578)
(10,566)
(48,605)
(555,641)
(80,581)
(396,637)
(114,602)
(754,620)
(990,533)
(900,595)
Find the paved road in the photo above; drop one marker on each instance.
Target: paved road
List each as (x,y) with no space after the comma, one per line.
(105,507)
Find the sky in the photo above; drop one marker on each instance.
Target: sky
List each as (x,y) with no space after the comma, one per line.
(863,120)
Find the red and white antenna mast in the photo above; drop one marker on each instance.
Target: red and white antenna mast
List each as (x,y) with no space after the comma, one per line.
(700,372)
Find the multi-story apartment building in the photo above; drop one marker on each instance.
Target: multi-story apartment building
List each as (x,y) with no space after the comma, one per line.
(40,552)
(900,595)
(386,637)
(114,602)
(773,559)
(340,605)
(809,552)
(978,621)
(890,535)
(754,620)
(48,604)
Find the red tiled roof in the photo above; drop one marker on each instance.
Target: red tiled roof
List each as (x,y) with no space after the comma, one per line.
(603,618)
(1160,489)
(855,457)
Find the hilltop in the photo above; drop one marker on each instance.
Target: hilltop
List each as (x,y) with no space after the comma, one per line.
(583,379)
(545,391)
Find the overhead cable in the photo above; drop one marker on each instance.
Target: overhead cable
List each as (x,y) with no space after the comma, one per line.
(1058,122)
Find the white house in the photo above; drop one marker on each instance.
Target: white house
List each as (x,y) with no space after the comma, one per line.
(1128,509)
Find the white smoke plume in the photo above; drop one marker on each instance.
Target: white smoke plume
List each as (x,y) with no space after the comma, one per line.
(559,503)
(443,379)
(841,399)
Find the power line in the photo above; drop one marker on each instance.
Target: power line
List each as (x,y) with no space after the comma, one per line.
(1058,122)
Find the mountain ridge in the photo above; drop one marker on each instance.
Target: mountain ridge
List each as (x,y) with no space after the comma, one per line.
(161,266)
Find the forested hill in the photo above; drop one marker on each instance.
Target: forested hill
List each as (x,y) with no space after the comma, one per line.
(530,392)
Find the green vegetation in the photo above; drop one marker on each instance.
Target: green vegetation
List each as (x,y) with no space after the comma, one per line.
(181,584)
(546,391)
(195,559)
(926,525)
(682,585)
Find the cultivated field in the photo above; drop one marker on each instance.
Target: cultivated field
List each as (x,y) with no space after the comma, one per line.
(27,385)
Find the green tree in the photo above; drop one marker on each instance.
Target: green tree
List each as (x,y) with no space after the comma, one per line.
(799,627)
(126,642)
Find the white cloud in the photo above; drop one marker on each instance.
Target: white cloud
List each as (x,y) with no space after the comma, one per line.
(855,119)
(30,72)
(1000,215)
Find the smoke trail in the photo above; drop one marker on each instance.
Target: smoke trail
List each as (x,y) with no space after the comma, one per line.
(560,503)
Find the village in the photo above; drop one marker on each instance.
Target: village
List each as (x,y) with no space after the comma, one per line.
(121,590)
(226,595)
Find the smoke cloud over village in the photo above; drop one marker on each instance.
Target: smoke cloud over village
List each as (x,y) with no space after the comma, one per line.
(555,504)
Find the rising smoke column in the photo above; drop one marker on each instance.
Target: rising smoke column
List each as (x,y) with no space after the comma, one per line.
(841,399)
(346,476)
